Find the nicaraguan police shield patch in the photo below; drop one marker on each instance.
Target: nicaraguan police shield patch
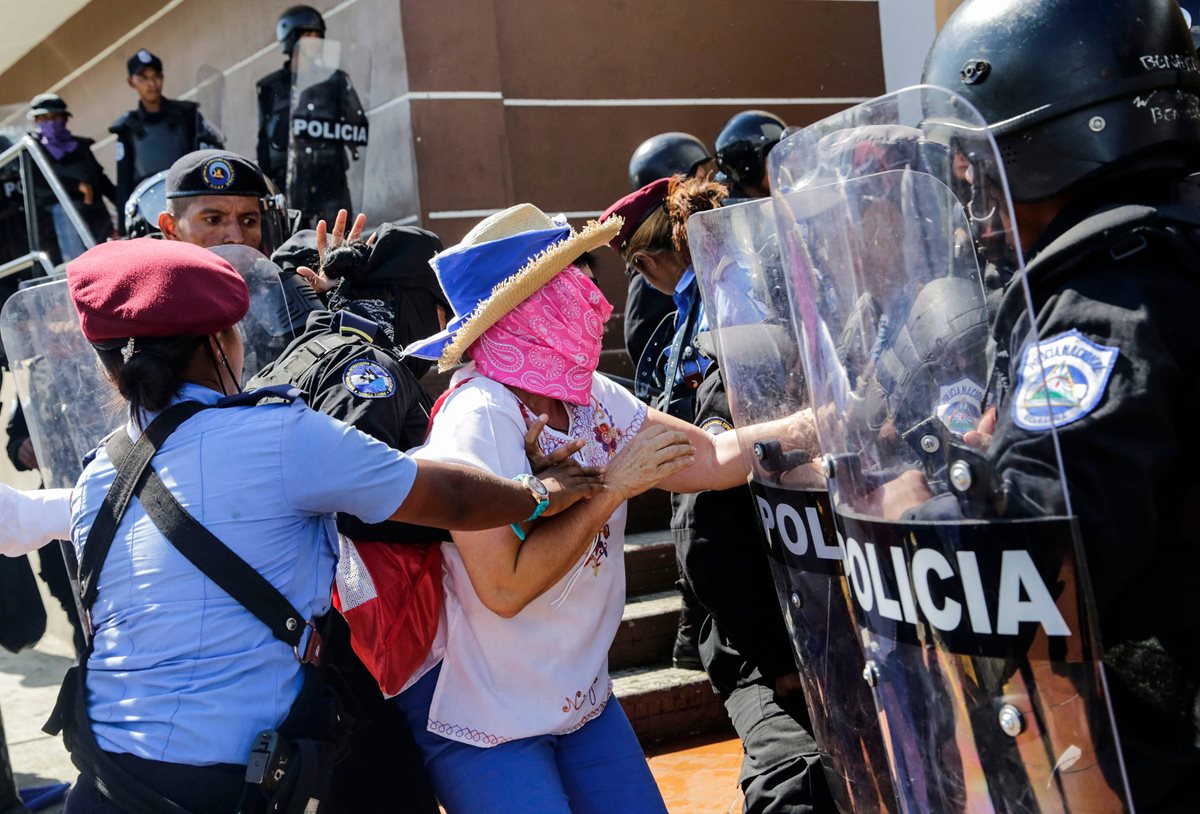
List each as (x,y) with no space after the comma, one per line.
(959,405)
(1061,380)
(715,425)
(368,380)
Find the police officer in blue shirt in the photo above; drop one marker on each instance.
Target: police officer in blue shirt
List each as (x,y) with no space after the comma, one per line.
(195,682)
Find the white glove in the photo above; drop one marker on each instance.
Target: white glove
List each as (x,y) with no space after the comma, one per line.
(30,519)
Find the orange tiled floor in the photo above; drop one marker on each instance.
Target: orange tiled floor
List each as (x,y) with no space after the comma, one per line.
(699,776)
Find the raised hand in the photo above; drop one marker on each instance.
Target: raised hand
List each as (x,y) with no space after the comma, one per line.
(538,462)
(327,240)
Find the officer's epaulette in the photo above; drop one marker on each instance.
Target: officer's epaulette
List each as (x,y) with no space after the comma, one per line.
(276,393)
(347,323)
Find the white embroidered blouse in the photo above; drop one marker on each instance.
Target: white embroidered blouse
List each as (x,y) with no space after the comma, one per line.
(545,670)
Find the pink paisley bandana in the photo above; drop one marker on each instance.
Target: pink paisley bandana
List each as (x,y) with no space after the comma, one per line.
(550,343)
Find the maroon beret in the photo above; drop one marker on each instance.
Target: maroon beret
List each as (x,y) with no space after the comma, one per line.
(148,287)
(635,208)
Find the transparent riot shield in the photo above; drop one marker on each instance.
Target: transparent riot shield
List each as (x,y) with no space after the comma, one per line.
(69,405)
(210,95)
(328,132)
(968,581)
(735,254)
(269,326)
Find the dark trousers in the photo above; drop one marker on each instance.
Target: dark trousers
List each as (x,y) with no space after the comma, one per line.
(781,768)
(383,769)
(201,789)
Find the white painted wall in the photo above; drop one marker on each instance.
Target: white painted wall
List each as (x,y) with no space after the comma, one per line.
(907,29)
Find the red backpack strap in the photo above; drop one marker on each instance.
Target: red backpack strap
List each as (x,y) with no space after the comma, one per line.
(437,405)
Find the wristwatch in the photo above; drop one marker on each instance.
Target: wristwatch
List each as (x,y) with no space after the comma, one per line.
(538,492)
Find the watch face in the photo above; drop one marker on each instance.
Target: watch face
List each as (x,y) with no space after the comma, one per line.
(538,487)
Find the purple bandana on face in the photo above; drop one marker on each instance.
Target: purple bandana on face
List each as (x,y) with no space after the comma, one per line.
(56,138)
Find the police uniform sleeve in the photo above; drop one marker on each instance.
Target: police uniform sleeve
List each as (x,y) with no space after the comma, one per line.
(1122,356)
(329,467)
(716,536)
(371,391)
(124,168)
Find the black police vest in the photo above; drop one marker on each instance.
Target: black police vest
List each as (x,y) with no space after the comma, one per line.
(157,144)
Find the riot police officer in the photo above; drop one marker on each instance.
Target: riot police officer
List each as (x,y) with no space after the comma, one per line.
(157,132)
(658,157)
(275,92)
(323,162)
(1096,161)
(216,198)
(742,148)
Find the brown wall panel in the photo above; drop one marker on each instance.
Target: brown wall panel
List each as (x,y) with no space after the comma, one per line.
(577,158)
(461,152)
(634,49)
(452,45)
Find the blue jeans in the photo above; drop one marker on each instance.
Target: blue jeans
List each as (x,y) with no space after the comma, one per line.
(597,769)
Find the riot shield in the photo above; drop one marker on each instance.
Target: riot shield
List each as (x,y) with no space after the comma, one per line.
(968,583)
(269,326)
(736,258)
(210,95)
(328,132)
(69,405)
(148,201)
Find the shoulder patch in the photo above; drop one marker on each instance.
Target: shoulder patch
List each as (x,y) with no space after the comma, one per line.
(120,151)
(715,425)
(1061,380)
(959,405)
(369,380)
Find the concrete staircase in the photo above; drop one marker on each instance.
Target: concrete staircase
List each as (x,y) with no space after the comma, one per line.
(662,703)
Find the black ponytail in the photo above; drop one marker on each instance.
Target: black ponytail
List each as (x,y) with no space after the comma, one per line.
(154,373)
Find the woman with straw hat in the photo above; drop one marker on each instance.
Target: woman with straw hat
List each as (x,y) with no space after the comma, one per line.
(515,712)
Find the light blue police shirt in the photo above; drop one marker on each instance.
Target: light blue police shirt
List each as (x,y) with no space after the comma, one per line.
(180,671)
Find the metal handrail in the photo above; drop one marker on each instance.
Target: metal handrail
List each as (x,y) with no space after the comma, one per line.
(26,261)
(27,146)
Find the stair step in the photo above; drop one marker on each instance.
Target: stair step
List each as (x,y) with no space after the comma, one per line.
(648,511)
(664,703)
(649,563)
(647,630)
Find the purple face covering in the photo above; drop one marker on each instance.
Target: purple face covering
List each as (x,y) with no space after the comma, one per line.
(56,138)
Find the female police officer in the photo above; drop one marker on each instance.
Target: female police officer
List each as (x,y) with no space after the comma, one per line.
(181,676)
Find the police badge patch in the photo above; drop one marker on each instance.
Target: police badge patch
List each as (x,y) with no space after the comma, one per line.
(368,380)
(959,405)
(218,174)
(715,425)
(1062,383)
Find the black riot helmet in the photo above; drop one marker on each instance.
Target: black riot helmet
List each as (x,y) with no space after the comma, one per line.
(148,201)
(743,144)
(665,155)
(1075,90)
(294,22)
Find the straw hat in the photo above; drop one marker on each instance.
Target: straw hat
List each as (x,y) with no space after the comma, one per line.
(500,263)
